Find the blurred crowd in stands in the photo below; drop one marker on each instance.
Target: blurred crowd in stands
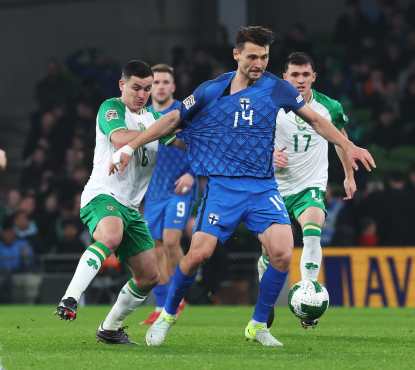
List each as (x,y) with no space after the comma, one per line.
(367,62)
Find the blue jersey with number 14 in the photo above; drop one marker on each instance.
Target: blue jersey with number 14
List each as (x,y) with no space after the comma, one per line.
(233,135)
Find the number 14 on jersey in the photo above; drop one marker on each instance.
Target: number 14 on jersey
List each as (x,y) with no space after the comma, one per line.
(247,116)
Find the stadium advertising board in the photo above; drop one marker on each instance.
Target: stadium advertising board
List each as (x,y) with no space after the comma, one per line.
(366,277)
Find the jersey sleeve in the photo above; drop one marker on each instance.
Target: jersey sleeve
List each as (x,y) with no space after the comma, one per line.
(338,117)
(193,104)
(286,96)
(165,140)
(111,117)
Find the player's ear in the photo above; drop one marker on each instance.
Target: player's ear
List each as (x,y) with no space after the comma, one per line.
(236,53)
(314,76)
(121,84)
(174,88)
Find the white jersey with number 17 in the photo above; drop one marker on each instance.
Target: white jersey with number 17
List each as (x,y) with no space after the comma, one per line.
(305,148)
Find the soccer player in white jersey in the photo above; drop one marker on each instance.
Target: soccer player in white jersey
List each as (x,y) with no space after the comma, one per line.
(301,160)
(109,205)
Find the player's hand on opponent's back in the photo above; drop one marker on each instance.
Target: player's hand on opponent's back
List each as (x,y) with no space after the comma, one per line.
(280,158)
(120,159)
(184,183)
(362,155)
(349,187)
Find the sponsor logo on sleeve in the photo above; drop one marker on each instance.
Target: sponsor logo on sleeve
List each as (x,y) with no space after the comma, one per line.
(189,101)
(299,99)
(111,114)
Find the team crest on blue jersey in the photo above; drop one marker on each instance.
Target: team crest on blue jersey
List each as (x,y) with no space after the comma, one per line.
(245,103)
(213,218)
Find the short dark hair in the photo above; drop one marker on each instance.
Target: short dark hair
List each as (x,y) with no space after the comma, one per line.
(299,58)
(258,35)
(163,68)
(136,68)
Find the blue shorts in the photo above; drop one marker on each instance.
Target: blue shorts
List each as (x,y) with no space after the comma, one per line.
(170,213)
(229,201)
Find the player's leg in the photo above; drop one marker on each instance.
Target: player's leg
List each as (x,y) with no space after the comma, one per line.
(172,242)
(177,214)
(268,218)
(137,250)
(144,269)
(106,224)
(311,221)
(154,214)
(161,289)
(202,247)
(218,215)
(278,242)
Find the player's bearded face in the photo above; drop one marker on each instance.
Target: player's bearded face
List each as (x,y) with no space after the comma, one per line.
(135,92)
(252,60)
(301,77)
(163,87)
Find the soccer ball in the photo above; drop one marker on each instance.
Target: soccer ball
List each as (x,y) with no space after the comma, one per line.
(308,300)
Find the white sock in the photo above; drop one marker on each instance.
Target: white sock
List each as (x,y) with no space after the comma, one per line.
(311,258)
(88,267)
(126,303)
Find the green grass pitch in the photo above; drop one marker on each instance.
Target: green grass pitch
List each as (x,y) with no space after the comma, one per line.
(31,337)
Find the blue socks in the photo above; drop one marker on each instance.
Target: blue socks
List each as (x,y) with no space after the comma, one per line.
(269,290)
(179,284)
(160,294)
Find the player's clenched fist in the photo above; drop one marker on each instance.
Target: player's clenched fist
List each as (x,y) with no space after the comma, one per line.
(120,159)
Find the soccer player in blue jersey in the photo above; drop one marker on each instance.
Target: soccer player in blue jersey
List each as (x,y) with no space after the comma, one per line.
(231,125)
(170,195)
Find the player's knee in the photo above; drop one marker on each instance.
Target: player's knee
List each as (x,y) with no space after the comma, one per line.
(198,256)
(159,250)
(111,240)
(281,258)
(151,278)
(203,255)
(175,252)
(154,278)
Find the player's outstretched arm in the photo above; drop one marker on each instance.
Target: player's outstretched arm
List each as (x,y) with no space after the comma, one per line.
(327,130)
(120,138)
(162,127)
(349,181)
(165,125)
